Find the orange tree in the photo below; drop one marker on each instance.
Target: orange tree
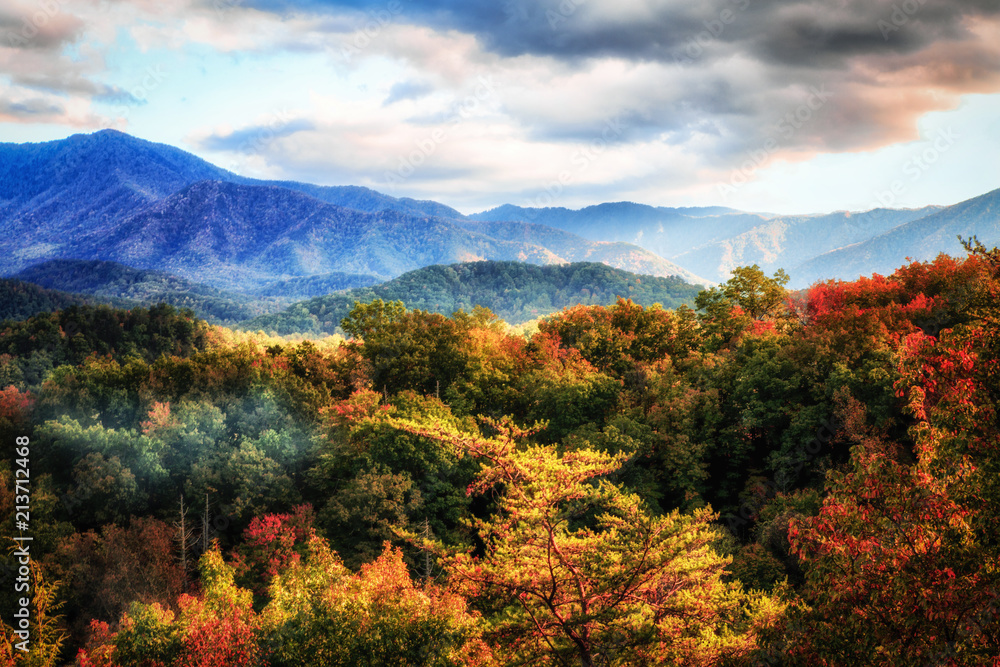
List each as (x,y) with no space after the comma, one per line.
(579,571)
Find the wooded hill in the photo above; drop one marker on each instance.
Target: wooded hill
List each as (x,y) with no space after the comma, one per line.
(516,292)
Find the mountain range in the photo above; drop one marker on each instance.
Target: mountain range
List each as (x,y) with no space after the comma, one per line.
(711,241)
(109,196)
(112,197)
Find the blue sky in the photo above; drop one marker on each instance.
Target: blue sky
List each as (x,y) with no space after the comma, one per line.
(791,106)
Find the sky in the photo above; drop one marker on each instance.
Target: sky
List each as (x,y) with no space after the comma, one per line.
(790,106)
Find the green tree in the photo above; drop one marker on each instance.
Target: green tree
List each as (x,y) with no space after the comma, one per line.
(748,296)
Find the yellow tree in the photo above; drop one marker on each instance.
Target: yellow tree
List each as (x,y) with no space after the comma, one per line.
(582,573)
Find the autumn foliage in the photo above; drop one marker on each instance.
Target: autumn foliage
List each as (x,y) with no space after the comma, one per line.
(768,478)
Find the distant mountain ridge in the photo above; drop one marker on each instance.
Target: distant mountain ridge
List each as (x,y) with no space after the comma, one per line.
(234,236)
(711,241)
(920,239)
(787,242)
(109,196)
(666,231)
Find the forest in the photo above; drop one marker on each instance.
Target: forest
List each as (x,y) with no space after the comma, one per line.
(770,478)
(516,292)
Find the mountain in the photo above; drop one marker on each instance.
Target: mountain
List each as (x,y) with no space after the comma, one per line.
(515,291)
(51,193)
(786,242)
(921,239)
(318,285)
(55,190)
(123,286)
(20,300)
(568,246)
(712,241)
(109,196)
(242,236)
(363,199)
(665,231)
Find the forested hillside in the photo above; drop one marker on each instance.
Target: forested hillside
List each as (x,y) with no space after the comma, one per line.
(759,480)
(20,300)
(117,284)
(514,291)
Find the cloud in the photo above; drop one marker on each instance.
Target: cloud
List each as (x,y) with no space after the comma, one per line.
(796,32)
(248,138)
(407,90)
(18,105)
(669,90)
(30,110)
(38,26)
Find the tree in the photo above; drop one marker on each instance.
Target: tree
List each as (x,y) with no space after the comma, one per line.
(270,543)
(377,477)
(614,338)
(324,615)
(583,573)
(895,571)
(104,572)
(748,297)
(414,350)
(44,626)
(218,628)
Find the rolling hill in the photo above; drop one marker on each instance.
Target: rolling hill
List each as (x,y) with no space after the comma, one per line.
(20,300)
(515,291)
(318,285)
(123,286)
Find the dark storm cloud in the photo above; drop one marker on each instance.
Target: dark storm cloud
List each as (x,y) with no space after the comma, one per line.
(799,33)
